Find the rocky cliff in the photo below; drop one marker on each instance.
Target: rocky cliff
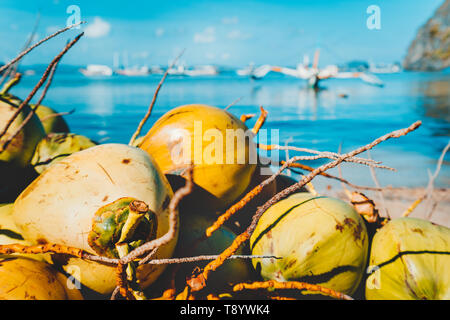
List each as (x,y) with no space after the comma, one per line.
(430,50)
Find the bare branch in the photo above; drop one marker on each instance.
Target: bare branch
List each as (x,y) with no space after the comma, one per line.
(38,85)
(233,103)
(150,108)
(32,111)
(20,56)
(430,186)
(380,192)
(327,154)
(199,282)
(204,258)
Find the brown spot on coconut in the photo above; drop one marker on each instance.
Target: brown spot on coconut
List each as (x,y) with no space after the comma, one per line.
(333,257)
(77,198)
(409,265)
(26,279)
(192,134)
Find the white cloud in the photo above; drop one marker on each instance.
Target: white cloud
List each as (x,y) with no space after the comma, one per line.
(206,36)
(159,32)
(230,20)
(238,35)
(99,28)
(225,56)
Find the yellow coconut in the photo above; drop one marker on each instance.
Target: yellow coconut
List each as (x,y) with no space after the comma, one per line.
(56,146)
(198,133)
(27,279)
(51,121)
(410,260)
(10,233)
(319,239)
(76,201)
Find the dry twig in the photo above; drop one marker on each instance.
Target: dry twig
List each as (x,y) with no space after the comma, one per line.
(22,54)
(429,190)
(246,117)
(380,192)
(233,103)
(327,154)
(296,285)
(259,123)
(433,177)
(32,111)
(198,282)
(150,108)
(38,85)
(327,175)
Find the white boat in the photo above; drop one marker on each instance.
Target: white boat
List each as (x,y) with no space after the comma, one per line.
(133,72)
(156,70)
(384,68)
(29,72)
(254,72)
(178,70)
(313,74)
(246,71)
(96,70)
(206,70)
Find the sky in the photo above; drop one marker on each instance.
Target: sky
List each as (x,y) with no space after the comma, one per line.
(229,33)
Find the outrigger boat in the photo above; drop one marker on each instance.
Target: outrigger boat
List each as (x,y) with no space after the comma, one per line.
(313,74)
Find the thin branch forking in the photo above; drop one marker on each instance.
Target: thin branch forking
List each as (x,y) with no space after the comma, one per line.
(32,111)
(22,54)
(198,282)
(38,85)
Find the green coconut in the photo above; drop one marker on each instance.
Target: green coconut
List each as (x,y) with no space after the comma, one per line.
(410,260)
(192,228)
(320,240)
(15,168)
(56,146)
(51,121)
(20,150)
(97,199)
(6,95)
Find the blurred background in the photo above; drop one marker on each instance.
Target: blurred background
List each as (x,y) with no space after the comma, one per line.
(329,73)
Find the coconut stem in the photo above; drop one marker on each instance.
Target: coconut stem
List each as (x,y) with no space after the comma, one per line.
(123,249)
(137,211)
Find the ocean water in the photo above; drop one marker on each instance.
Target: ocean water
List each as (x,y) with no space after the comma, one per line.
(347,112)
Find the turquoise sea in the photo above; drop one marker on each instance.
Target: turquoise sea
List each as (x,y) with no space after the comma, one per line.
(108,109)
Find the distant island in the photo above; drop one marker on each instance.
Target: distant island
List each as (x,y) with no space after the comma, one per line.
(430,50)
